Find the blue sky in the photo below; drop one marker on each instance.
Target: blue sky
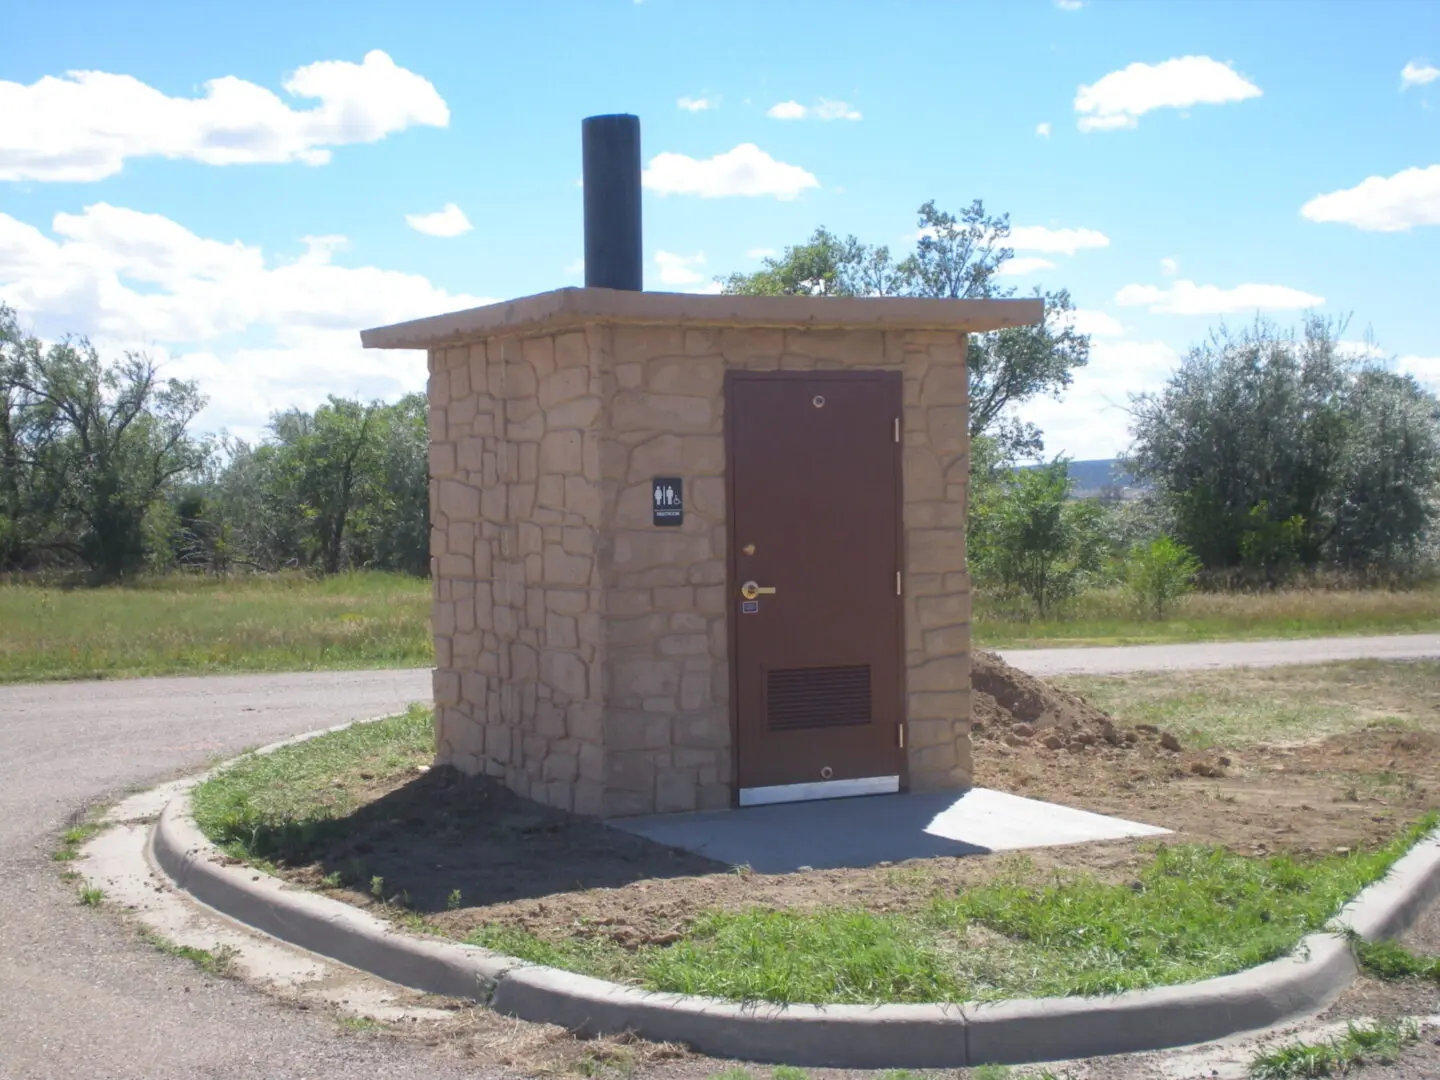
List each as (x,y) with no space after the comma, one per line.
(239,191)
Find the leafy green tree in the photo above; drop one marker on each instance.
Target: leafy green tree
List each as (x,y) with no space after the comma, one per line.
(824,265)
(1276,450)
(1387,501)
(955,257)
(1027,534)
(344,487)
(396,525)
(87,448)
(325,465)
(21,439)
(1159,573)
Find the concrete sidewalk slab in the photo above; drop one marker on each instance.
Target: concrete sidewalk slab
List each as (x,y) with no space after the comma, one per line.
(867,830)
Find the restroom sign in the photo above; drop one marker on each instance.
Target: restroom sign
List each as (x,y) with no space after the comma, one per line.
(667,497)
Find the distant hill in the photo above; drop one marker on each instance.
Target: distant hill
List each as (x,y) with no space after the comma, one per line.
(1089,479)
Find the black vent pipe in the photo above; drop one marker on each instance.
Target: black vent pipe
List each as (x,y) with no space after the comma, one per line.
(611,148)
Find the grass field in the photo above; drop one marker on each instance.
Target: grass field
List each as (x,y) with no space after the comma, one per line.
(1108,617)
(180,625)
(189,625)
(1244,706)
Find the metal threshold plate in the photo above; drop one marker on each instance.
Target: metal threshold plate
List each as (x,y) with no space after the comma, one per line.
(824,789)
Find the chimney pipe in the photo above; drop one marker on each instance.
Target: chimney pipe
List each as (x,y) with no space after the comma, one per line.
(611,150)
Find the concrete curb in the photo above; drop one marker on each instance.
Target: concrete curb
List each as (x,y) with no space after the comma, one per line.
(837,1036)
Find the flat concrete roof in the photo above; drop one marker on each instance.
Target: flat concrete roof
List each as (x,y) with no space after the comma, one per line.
(576,307)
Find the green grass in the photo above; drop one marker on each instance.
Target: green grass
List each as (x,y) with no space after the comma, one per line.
(357,1024)
(73,838)
(1390,960)
(192,625)
(1108,617)
(1241,707)
(91,896)
(217,961)
(1362,1044)
(277,805)
(1194,913)
(183,624)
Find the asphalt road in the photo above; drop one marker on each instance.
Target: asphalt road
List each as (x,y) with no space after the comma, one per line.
(81,997)
(1221,654)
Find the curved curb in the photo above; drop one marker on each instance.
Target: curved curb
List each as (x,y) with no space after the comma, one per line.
(838,1036)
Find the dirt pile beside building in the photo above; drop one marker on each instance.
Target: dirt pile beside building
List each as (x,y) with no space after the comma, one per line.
(1022,711)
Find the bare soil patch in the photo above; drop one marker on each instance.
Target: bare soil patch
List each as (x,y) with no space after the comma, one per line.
(430,835)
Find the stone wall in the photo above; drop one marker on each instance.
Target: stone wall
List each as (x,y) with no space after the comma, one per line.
(581,652)
(515,527)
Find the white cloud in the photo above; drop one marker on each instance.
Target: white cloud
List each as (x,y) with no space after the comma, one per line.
(835,110)
(446,222)
(1424,369)
(1359,350)
(745,170)
(259,332)
(1120,98)
(1039,238)
(1187,298)
(697,104)
(1383,203)
(1023,265)
(574,268)
(761,253)
(1094,323)
(680,269)
(825,110)
(1169,267)
(787,110)
(1069,5)
(1043,130)
(1055,241)
(85,125)
(1418,73)
(1090,420)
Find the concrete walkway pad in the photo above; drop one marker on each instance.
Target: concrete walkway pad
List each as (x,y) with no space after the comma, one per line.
(872,829)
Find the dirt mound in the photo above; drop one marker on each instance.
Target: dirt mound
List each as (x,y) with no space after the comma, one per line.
(1023,711)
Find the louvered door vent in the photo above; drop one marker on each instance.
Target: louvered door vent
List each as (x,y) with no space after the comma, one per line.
(817,697)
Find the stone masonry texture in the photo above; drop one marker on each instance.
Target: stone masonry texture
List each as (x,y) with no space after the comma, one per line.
(581,653)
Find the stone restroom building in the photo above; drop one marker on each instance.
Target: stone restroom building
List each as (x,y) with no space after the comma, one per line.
(692,552)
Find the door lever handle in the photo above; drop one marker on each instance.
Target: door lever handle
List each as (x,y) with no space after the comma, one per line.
(750,590)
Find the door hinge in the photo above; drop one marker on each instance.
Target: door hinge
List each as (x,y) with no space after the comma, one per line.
(897,429)
(901,728)
(897,582)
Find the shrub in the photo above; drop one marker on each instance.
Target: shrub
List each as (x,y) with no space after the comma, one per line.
(1159,573)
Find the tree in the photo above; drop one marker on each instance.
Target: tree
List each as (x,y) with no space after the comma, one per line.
(325,465)
(1027,534)
(343,487)
(955,257)
(825,265)
(87,448)
(398,524)
(1274,449)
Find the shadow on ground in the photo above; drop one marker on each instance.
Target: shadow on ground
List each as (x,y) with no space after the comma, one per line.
(441,832)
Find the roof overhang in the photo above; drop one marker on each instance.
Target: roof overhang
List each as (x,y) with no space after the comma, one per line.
(579,307)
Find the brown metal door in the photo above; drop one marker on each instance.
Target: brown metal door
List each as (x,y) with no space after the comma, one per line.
(815,515)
